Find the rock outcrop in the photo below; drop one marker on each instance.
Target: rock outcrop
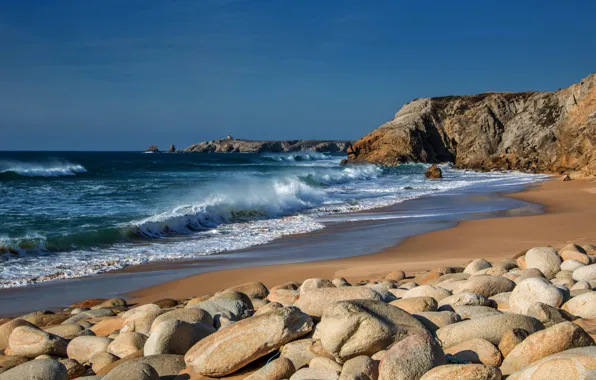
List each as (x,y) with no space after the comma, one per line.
(232,145)
(553,132)
(152,149)
(172,148)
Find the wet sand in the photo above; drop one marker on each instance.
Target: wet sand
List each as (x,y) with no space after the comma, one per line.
(570,216)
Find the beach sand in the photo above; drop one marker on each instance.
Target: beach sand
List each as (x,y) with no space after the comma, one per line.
(570,216)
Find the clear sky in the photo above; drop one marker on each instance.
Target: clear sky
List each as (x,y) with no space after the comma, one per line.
(124,74)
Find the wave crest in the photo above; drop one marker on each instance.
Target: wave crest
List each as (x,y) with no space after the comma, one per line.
(39,169)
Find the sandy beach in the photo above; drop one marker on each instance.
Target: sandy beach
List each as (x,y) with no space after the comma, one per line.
(570,210)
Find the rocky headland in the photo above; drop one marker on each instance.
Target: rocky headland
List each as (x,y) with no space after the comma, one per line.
(232,145)
(548,132)
(532,317)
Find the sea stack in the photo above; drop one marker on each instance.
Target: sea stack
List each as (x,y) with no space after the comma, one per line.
(172,148)
(153,149)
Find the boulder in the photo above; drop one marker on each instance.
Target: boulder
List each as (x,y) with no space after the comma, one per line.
(324,362)
(434,172)
(176,337)
(166,303)
(189,315)
(74,369)
(510,339)
(463,372)
(301,352)
(558,338)
(486,285)
(435,320)
(531,291)
(101,360)
(411,358)
(315,283)
(360,368)
(107,326)
(465,299)
(477,265)
(167,366)
(396,276)
(220,354)
(233,310)
(31,342)
(469,312)
(547,314)
(45,318)
(477,351)
(269,307)
(529,273)
(233,295)
(316,301)
(286,297)
(277,369)
(109,303)
(315,374)
(416,304)
(384,291)
(256,290)
(585,273)
(126,343)
(132,371)
(8,362)
(82,348)
(340,282)
(546,259)
(574,255)
(583,305)
(140,321)
(576,363)
(490,328)
(581,285)
(40,369)
(501,300)
(70,331)
(363,327)
(427,291)
(7,328)
(88,315)
(571,265)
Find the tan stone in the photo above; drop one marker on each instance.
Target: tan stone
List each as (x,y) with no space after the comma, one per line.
(510,339)
(555,339)
(416,304)
(286,297)
(477,351)
(277,369)
(107,326)
(463,372)
(126,343)
(576,363)
(219,354)
(7,328)
(83,348)
(31,342)
(190,315)
(101,360)
(316,301)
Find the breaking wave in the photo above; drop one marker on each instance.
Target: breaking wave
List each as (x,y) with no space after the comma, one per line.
(15,169)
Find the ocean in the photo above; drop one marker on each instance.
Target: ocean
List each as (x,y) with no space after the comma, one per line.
(75,214)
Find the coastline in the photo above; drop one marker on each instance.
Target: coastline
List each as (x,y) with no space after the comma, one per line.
(569,210)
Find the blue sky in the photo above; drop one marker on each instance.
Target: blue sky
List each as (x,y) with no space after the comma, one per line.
(123,74)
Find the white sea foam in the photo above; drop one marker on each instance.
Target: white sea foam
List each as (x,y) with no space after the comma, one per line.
(41,169)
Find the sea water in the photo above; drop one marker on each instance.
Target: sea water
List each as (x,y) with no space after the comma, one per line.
(73,214)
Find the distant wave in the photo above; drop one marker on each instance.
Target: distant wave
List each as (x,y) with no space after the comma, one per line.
(15,169)
(298,156)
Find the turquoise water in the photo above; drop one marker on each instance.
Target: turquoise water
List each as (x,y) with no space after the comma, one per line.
(73,214)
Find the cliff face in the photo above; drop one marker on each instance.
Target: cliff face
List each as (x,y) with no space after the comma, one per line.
(553,132)
(231,145)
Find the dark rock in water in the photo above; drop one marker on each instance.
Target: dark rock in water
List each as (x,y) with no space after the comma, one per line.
(172,148)
(152,149)
(232,145)
(343,162)
(434,172)
(553,132)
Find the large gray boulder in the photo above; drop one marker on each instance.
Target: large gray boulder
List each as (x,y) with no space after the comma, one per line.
(82,348)
(411,358)
(576,363)
(132,371)
(490,328)
(40,369)
(176,337)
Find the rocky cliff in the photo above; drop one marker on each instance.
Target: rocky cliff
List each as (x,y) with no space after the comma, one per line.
(232,145)
(552,132)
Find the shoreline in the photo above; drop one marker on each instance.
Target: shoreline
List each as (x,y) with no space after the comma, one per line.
(569,209)
(344,236)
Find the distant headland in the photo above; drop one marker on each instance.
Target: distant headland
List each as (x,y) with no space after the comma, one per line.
(232,145)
